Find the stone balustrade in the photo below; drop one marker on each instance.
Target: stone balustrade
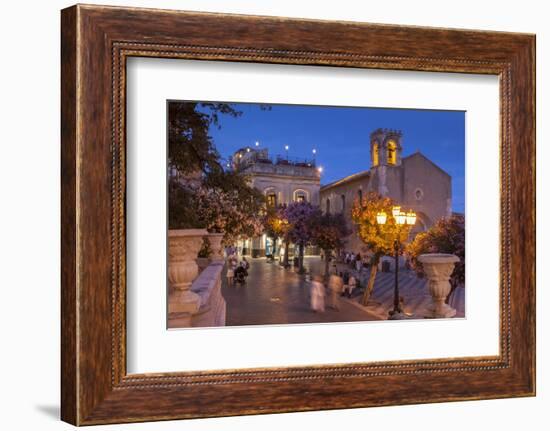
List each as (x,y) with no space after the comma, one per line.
(211,311)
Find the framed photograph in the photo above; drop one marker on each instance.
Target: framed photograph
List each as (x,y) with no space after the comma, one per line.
(266,215)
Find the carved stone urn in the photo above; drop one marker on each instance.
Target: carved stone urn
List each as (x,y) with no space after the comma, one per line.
(183,248)
(216,244)
(438,268)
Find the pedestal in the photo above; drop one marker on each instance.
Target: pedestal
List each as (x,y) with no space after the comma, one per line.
(438,268)
(183,248)
(217,248)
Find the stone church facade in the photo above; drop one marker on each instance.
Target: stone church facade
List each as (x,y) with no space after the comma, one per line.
(414,182)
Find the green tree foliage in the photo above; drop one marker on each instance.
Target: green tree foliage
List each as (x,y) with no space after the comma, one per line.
(203,194)
(190,146)
(182,212)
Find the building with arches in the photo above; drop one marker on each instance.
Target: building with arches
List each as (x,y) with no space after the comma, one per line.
(282,180)
(414,181)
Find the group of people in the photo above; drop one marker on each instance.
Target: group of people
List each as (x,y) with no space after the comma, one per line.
(353,260)
(339,284)
(236,271)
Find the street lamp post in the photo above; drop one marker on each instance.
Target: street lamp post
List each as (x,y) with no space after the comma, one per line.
(400,218)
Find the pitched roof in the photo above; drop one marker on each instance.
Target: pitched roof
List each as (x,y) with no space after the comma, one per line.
(347,179)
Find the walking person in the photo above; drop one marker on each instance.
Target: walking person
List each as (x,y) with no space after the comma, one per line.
(317,294)
(231,266)
(358,262)
(335,285)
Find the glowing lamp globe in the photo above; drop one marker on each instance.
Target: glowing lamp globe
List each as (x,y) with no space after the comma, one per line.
(395,211)
(401,219)
(381,218)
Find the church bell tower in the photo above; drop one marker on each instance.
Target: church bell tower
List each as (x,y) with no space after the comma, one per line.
(385,147)
(385,153)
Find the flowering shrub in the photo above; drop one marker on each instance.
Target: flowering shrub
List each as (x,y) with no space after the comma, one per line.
(201,192)
(379,239)
(223,211)
(275,224)
(446,236)
(206,248)
(328,232)
(299,216)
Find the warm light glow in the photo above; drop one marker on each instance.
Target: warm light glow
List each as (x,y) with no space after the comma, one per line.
(392,153)
(411,218)
(395,211)
(248,150)
(375,154)
(401,219)
(320,169)
(240,156)
(381,218)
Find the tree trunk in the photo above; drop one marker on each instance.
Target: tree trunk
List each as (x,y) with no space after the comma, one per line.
(370,287)
(301,269)
(285,258)
(274,251)
(326,262)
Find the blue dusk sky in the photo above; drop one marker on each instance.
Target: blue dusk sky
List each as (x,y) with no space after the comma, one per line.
(340,136)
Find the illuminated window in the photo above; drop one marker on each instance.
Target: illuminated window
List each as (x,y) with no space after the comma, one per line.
(392,153)
(272,200)
(300,196)
(374,154)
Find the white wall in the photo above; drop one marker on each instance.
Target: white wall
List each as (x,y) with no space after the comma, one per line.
(29,216)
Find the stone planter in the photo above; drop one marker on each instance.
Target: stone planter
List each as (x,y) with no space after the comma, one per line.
(183,248)
(216,244)
(438,267)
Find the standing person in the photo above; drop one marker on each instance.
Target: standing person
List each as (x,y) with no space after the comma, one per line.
(352,284)
(358,263)
(345,281)
(231,265)
(317,294)
(245,265)
(335,285)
